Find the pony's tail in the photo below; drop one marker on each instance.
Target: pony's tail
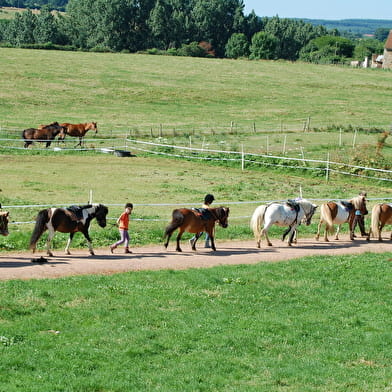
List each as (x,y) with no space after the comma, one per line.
(39,228)
(257,220)
(376,220)
(177,220)
(325,213)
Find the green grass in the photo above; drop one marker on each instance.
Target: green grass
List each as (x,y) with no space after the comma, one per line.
(314,324)
(127,91)
(67,179)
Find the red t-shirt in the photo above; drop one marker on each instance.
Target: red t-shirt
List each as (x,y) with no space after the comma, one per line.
(123,221)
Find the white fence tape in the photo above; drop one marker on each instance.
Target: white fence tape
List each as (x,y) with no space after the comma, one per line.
(258,202)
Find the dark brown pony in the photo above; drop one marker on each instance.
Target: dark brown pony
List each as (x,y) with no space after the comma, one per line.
(381,216)
(69,220)
(45,134)
(4,223)
(79,130)
(192,221)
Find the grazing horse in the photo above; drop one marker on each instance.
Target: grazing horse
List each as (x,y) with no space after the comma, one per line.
(381,216)
(79,130)
(338,213)
(45,133)
(192,221)
(287,214)
(70,220)
(4,223)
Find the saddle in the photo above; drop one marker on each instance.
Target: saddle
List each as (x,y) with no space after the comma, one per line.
(347,205)
(293,204)
(204,213)
(75,212)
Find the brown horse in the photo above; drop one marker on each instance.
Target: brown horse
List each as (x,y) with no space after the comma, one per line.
(45,133)
(338,213)
(4,223)
(192,221)
(381,216)
(79,130)
(69,220)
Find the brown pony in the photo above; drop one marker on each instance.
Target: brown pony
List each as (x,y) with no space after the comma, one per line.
(79,130)
(4,223)
(381,216)
(45,133)
(338,213)
(192,221)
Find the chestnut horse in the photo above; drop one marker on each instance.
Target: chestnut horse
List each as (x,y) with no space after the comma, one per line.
(69,220)
(4,223)
(79,130)
(381,216)
(45,133)
(338,213)
(192,221)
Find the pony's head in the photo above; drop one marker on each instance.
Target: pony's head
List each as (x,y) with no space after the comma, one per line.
(100,214)
(309,210)
(93,127)
(222,214)
(360,203)
(4,223)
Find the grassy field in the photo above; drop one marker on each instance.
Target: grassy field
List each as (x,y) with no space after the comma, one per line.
(126,91)
(45,179)
(315,324)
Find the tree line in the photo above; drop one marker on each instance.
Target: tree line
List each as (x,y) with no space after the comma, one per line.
(215,28)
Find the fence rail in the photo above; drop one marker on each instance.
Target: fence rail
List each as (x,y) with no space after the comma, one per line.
(174,205)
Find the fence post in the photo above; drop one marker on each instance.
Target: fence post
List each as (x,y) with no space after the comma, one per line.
(354,138)
(242,158)
(327,170)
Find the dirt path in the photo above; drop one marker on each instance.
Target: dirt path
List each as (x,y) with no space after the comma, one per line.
(20,266)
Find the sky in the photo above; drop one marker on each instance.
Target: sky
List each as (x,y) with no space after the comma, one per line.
(316,9)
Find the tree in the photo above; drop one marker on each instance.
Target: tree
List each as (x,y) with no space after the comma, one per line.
(381,34)
(264,46)
(237,46)
(367,47)
(161,23)
(327,49)
(46,29)
(214,21)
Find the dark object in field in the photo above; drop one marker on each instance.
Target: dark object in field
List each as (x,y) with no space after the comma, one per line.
(39,260)
(122,153)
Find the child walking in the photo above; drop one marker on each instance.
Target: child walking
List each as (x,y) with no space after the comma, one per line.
(123,223)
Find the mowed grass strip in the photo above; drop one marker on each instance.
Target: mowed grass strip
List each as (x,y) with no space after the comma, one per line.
(122,91)
(314,324)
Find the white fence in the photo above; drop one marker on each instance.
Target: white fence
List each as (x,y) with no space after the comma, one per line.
(173,205)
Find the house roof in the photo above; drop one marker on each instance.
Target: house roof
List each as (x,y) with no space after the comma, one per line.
(388,43)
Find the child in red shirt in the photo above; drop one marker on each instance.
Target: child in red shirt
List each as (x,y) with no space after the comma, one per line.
(123,222)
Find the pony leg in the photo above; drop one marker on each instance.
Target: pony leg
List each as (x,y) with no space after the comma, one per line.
(337,232)
(51,234)
(193,241)
(69,244)
(89,243)
(265,233)
(318,230)
(178,248)
(291,235)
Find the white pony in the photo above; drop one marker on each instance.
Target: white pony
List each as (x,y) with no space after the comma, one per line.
(289,214)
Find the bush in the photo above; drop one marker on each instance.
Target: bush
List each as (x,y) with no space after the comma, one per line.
(237,46)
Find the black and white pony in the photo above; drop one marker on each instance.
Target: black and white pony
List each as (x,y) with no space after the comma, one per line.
(67,220)
(289,214)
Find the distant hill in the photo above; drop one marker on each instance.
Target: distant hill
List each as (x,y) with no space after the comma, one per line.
(355,26)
